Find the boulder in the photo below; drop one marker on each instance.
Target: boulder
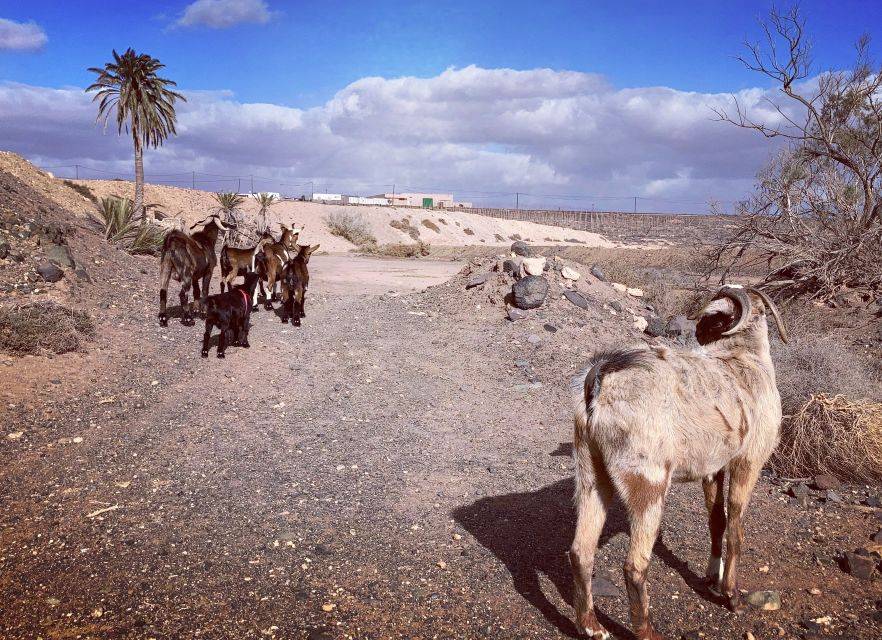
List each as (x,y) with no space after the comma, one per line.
(640,323)
(520,248)
(656,327)
(512,266)
(533,266)
(618,286)
(50,272)
(765,600)
(825,482)
(529,292)
(617,306)
(570,274)
(635,292)
(598,273)
(860,564)
(60,255)
(515,314)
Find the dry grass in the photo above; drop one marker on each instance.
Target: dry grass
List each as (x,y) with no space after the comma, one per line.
(428,224)
(43,327)
(83,190)
(352,227)
(468,232)
(833,435)
(406,226)
(395,250)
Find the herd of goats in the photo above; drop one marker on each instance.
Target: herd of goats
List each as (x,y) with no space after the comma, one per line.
(645,417)
(191,259)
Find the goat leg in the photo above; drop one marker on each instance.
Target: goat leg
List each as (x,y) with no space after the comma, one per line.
(222,343)
(206,338)
(714,501)
(186,311)
(742,478)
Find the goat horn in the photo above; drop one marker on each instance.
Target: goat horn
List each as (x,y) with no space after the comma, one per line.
(779,322)
(739,295)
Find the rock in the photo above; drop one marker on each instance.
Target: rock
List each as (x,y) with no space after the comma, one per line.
(640,323)
(577,299)
(635,292)
(799,490)
(873,501)
(832,496)
(765,600)
(520,248)
(604,588)
(49,272)
(530,292)
(60,255)
(878,537)
(4,250)
(655,328)
(859,565)
(515,314)
(550,328)
(680,326)
(825,482)
(477,279)
(617,306)
(570,274)
(512,266)
(618,286)
(534,339)
(598,273)
(83,275)
(533,266)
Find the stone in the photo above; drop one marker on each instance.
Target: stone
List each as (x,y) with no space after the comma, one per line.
(655,328)
(680,326)
(640,323)
(477,279)
(824,482)
(529,292)
(533,266)
(635,292)
(765,600)
(534,339)
(60,255)
(550,328)
(799,490)
(618,286)
(4,250)
(515,314)
(598,273)
(873,501)
(512,266)
(570,274)
(604,588)
(577,299)
(49,272)
(878,537)
(832,496)
(520,248)
(83,275)
(617,306)
(859,565)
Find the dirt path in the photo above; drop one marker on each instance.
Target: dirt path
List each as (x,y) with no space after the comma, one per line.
(393,469)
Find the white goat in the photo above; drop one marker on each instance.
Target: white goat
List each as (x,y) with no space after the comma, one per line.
(648,416)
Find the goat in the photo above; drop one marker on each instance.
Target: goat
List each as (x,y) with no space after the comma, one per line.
(647,416)
(237,262)
(230,313)
(275,255)
(295,280)
(188,259)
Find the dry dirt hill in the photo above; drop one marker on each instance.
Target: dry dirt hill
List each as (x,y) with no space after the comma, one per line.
(444,228)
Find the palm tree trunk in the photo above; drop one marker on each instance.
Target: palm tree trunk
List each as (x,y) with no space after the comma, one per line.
(139,177)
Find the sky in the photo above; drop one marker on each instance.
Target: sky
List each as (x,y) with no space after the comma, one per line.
(571,104)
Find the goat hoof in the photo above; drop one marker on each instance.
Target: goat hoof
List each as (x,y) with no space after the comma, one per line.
(284,320)
(267,306)
(296,323)
(736,603)
(221,355)
(205,354)
(163,322)
(592,628)
(246,345)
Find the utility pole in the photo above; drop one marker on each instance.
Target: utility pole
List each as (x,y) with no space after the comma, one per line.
(517,201)
(194,179)
(252,185)
(635,204)
(78,171)
(239,185)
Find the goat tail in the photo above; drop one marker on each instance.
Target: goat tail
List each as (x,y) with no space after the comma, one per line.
(586,386)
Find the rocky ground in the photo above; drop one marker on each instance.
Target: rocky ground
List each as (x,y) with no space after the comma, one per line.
(398,467)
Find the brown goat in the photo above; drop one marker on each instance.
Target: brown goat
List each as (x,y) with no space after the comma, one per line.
(648,416)
(295,280)
(188,259)
(237,262)
(269,265)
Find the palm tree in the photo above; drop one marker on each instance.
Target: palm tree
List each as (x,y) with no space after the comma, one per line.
(229,204)
(264,201)
(144,105)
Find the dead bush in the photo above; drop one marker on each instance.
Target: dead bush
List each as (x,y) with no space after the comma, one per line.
(498,237)
(396,250)
(406,226)
(352,227)
(83,190)
(43,327)
(834,435)
(428,224)
(442,221)
(468,232)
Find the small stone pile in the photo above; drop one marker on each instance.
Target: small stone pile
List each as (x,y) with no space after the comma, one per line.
(523,283)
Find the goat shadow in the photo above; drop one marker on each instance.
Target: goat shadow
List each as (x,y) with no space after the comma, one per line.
(530,532)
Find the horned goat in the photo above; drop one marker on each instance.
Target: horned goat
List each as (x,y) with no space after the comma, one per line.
(648,416)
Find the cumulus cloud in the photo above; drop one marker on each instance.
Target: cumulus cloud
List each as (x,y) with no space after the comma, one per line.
(21,36)
(222,14)
(559,138)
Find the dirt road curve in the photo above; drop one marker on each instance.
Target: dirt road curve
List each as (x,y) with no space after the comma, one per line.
(385,471)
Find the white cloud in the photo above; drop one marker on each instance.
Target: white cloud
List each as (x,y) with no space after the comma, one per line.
(479,132)
(222,14)
(21,36)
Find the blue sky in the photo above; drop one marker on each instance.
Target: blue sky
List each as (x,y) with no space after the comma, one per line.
(290,92)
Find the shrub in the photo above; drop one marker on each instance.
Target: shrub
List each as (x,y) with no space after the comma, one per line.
(120,227)
(82,189)
(428,224)
(397,250)
(405,225)
(468,232)
(352,227)
(498,237)
(515,236)
(442,221)
(45,326)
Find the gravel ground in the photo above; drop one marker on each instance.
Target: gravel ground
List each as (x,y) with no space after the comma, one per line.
(398,467)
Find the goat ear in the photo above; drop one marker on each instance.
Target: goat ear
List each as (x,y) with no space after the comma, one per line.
(314,248)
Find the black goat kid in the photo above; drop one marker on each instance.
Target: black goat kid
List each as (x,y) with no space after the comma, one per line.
(229,312)
(292,294)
